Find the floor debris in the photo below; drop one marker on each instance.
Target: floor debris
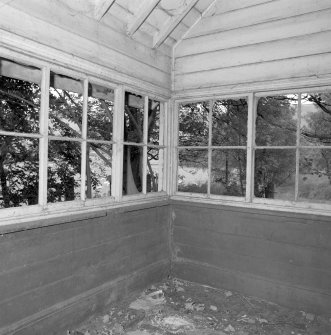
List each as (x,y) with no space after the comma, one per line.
(179,307)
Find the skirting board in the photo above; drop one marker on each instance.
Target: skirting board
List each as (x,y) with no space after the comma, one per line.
(57,319)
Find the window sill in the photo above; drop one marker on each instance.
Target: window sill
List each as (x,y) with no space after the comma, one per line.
(70,211)
(258,204)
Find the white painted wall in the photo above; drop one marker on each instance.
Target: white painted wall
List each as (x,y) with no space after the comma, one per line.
(51,31)
(255,43)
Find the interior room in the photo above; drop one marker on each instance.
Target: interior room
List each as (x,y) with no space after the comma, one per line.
(163,141)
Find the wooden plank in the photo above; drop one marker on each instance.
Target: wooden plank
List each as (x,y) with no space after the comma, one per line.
(270,11)
(266,251)
(144,11)
(305,231)
(301,67)
(223,6)
(128,250)
(101,8)
(287,273)
(27,248)
(171,24)
(276,30)
(252,285)
(90,50)
(263,52)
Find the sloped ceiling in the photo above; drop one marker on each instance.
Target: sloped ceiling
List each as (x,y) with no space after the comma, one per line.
(166,21)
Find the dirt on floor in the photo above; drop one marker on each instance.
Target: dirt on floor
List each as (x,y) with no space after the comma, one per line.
(179,307)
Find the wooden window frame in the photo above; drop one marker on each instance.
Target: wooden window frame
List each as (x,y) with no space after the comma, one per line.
(43,209)
(249,201)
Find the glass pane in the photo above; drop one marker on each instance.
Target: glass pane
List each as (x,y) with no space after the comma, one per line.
(192,171)
(98,170)
(193,124)
(276,120)
(64,166)
(315,175)
(133,118)
(100,113)
(228,174)
(132,169)
(230,122)
(65,106)
(274,174)
(154,169)
(19,98)
(154,121)
(315,119)
(19,171)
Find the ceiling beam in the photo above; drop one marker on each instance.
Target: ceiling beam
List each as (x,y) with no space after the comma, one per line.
(143,13)
(171,24)
(101,8)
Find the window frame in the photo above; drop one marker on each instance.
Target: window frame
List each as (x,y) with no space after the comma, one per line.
(249,201)
(43,209)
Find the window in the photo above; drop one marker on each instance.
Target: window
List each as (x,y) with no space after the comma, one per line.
(212,147)
(57,140)
(287,138)
(143,154)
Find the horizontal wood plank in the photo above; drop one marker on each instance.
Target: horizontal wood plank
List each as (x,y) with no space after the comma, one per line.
(291,296)
(301,67)
(301,25)
(262,52)
(270,11)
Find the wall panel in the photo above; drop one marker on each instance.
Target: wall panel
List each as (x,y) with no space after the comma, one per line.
(278,256)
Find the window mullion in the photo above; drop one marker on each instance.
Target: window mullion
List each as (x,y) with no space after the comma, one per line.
(250,147)
(145,140)
(84,143)
(162,153)
(43,142)
(210,129)
(297,151)
(173,144)
(118,136)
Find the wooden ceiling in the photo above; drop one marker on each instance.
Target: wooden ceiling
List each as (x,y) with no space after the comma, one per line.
(166,21)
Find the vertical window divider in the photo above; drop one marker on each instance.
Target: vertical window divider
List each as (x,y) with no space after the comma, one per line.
(252,104)
(297,151)
(162,152)
(118,138)
(84,142)
(43,142)
(173,144)
(145,141)
(210,129)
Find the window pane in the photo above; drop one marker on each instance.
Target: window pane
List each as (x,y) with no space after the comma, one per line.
(132,169)
(64,166)
(19,171)
(193,124)
(276,120)
(100,113)
(274,173)
(315,175)
(316,119)
(65,106)
(19,98)
(229,122)
(133,118)
(154,121)
(228,175)
(154,169)
(192,171)
(98,170)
